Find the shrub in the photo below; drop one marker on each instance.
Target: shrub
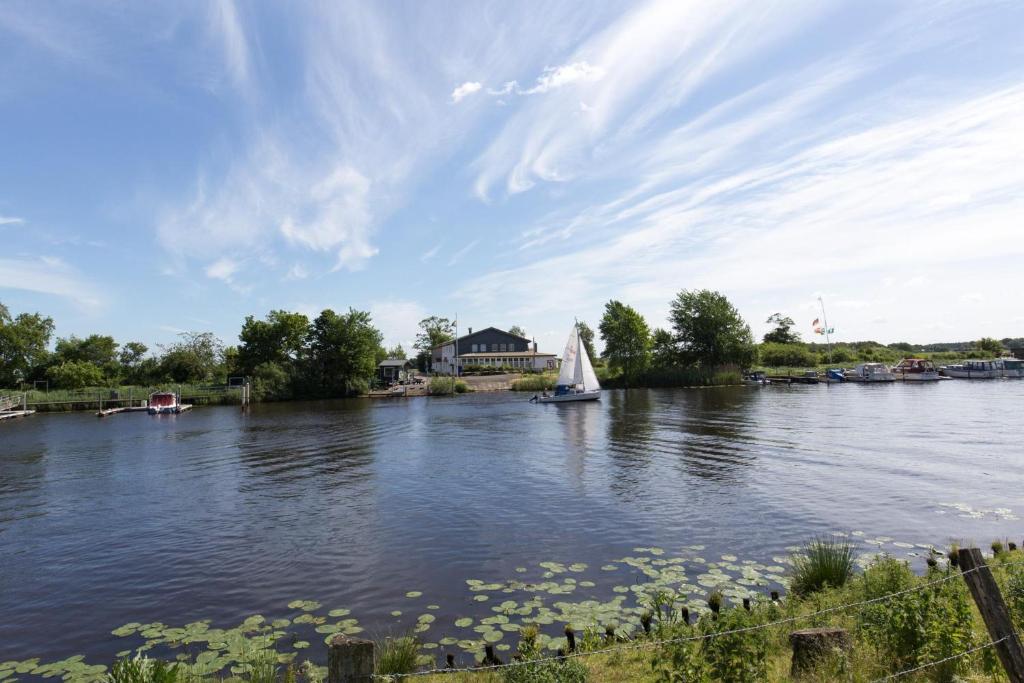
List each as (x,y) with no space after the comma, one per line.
(443,386)
(396,656)
(775,355)
(141,669)
(1015,594)
(530,670)
(823,562)
(535,383)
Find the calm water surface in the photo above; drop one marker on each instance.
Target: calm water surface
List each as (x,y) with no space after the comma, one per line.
(218,514)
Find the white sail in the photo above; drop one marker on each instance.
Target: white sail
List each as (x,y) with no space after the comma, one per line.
(567,374)
(589,380)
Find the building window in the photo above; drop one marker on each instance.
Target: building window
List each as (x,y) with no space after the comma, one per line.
(512,347)
(483,348)
(474,348)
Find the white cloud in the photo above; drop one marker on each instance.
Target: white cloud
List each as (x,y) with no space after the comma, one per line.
(559,76)
(297,272)
(398,321)
(11,220)
(225,26)
(457,256)
(464,90)
(429,254)
(223,269)
(49,276)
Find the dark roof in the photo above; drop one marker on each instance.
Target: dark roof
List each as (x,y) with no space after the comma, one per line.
(394,363)
(476,332)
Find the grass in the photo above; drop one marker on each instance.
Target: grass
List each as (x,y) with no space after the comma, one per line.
(544,382)
(62,399)
(824,562)
(397,656)
(442,386)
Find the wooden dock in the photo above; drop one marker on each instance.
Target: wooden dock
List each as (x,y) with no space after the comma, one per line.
(122,409)
(11,414)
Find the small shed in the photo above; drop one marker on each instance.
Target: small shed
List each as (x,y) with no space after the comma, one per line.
(394,369)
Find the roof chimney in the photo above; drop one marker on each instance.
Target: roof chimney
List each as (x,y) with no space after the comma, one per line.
(470,331)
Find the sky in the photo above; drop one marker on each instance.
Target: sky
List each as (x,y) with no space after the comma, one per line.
(175,166)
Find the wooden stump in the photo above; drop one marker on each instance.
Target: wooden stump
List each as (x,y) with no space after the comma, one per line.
(350,660)
(810,645)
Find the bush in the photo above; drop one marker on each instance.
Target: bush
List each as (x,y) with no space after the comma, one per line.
(442,386)
(535,383)
(823,562)
(775,355)
(550,671)
(75,374)
(270,382)
(141,669)
(727,656)
(396,656)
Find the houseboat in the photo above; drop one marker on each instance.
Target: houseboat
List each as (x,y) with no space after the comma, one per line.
(1012,368)
(870,372)
(916,370)
(163,403)
(973,369)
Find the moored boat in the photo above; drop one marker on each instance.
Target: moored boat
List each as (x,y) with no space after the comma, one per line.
(1012,368)
(756,378)
(870,372)
(916,370)
(163,403)
(973,369)
(576,378)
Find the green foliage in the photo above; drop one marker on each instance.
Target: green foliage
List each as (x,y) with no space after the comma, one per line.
(709,330)
(74,374)
(270,382)
(518,331)
(535,383)
(396,656)
(627,339)
(443,386)
(822,563)
(775,355)
(534,671)
(989,347)
(142,669)
(434,331)
(396,352)
(664,352)
(1015,594)
(281,339)
(918,626)
(783,331)
(195,358)
(721,656)
(343,353)
(23,343)
(587,337)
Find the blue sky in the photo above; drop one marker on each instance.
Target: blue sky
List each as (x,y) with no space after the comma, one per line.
(173,166)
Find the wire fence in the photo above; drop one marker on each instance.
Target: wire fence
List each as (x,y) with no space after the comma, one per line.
(634,645)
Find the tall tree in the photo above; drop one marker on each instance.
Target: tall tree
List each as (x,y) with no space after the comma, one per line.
(396,352)
(518,331)
(433,331)
(626,337)
(343,351)
(131,358)
(587,337)
(990,346)
(782,333)
(664,352)
(710,331)
(281,338)
(193,359)
(23,346)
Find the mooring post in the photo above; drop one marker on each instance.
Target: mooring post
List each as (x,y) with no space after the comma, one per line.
(985,592)
(350,660)
(570,637)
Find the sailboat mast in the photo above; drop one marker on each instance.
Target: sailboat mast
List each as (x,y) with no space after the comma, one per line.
(828,338)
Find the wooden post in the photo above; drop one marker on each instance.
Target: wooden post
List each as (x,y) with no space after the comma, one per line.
(350,660)
(570,637)
(993,610)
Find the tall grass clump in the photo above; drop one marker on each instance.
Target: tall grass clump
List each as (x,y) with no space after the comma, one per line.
(396,657)
(142,669)
(443,386)
(728,652)
(530,670)
(534,383)
(824,562)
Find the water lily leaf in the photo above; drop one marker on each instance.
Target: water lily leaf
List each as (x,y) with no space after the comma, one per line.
(448,640)
(609,567)
(414,594)
(396,613)
(463,622)
(426,619)
(328,628)
(480,598)
(493,636)
(341,612)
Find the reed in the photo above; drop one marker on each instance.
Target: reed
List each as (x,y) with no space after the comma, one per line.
(396,657)
(824,562)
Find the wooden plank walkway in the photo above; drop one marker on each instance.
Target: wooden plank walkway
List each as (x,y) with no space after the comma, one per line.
(11,414)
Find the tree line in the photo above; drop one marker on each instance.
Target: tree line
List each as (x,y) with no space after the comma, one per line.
(285,355)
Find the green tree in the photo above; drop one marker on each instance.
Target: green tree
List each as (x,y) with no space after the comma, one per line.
(196,358)
(23,346)
(710,331)
(396,352)
(130,359)
(587,337)
(518,331)
(281,339)
(433,331)
(626,337)
(775,355)
(989,346)
(664,352)
(98,349)
(783,331)
(75,374)
(343,352)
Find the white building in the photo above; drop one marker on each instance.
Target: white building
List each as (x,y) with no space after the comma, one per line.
(490,347)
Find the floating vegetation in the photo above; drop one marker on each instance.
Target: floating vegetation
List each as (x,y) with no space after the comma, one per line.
(966,511)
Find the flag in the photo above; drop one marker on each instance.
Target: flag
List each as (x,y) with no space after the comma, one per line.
(815,323)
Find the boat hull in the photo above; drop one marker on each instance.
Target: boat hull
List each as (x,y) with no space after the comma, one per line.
(973,374)
(570,398)
(871,379)
(930,376)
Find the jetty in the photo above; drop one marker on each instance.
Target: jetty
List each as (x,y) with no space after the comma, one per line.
(9,407)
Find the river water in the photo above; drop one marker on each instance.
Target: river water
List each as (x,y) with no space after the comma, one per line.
(219,514)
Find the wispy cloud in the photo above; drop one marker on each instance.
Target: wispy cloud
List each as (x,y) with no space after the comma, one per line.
(11,220)
(51,276)
(465,90)
(559,76)
(457,256)
(226,27)
(223,269)
(429,254)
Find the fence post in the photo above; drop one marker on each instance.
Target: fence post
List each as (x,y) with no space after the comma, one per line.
(350,660)
(985,592)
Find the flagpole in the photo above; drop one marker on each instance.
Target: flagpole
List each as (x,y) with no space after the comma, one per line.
(828,339)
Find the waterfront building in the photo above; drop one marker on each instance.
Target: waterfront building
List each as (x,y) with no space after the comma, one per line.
(490,347)
(394,370)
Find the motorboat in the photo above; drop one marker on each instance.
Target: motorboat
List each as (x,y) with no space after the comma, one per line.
(870,372)
(974,369)
(576,378)
(1012,368)
(756,378)
(916,370)
(163,403)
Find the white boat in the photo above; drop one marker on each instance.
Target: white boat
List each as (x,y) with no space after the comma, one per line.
(576,378)
(973,369)
(870,372)
(916,370)
(163,403)
(1012,368)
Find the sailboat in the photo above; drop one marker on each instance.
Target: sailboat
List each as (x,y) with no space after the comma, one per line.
(576,378)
